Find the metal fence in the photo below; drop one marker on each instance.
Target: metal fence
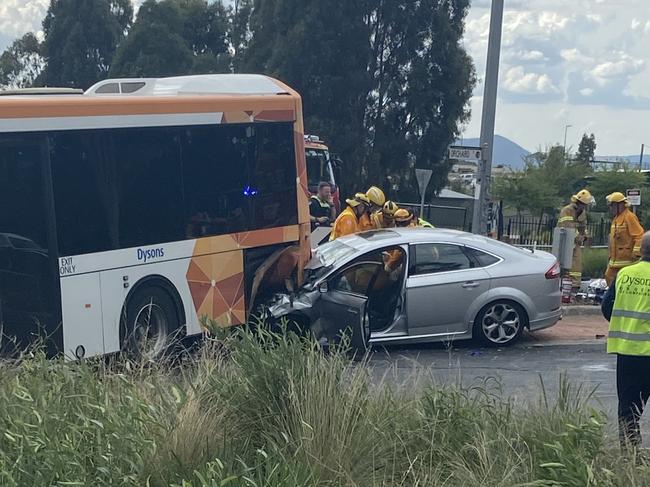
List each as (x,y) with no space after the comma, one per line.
(539,231)
(454,217)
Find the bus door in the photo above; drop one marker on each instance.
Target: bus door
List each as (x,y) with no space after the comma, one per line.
(29,286)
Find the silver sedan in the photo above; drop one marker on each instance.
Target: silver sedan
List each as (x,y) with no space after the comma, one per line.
(421,285)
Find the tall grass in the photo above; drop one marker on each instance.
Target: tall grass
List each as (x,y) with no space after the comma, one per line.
(277,411)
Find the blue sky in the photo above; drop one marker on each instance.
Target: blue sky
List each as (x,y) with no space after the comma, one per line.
(583,62)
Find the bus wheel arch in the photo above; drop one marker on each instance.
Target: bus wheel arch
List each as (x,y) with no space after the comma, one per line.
(156,301)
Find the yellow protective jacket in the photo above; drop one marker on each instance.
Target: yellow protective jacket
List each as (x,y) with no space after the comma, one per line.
(624,240)
(365,223)
(346,224)
(629,325)
(569,218)
(379,222)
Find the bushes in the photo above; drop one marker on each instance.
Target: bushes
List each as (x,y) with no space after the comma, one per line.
(278,412)
(594,262)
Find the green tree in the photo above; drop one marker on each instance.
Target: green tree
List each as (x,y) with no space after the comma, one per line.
(81,37)
(175,37)
(321,48)
(422,81)
(586,149)
(388,91)
(546,183)
(21,63)
(606,182)
(239,31)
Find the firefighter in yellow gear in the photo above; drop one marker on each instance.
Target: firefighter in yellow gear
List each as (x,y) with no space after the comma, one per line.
(404,218)
(377,199)
(624,236)
(574,215)
(386,217)
(348,222)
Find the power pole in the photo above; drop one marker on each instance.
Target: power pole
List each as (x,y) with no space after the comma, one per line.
(479,219)
(641,158)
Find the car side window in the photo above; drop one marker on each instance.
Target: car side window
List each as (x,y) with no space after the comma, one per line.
(356,279)
(481,258)
(434,258)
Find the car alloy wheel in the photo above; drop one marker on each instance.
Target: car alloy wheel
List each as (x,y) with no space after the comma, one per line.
(501,323)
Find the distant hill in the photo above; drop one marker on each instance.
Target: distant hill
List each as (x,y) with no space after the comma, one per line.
(506,152)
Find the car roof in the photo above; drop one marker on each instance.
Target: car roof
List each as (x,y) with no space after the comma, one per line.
(397,236)
(365,241)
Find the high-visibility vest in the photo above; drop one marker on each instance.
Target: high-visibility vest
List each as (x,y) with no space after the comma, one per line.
(629,326)
(424,223)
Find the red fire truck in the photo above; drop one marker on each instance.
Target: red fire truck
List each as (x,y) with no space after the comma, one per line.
(321,166)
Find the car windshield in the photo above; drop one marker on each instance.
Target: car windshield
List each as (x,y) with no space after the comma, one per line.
(325,259)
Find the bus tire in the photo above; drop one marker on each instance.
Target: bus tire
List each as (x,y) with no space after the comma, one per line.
(150,323)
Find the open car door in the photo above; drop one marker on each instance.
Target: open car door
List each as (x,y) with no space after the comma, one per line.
(343,313)
(343,306)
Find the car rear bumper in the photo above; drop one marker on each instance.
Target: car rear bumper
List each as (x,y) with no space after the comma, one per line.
(545,320)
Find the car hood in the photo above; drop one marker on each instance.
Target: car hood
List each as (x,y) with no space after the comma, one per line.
(285,304)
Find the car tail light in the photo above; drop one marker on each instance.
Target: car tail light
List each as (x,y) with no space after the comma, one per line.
(553,272)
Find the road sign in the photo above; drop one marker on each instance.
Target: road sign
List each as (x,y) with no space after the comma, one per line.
(463,153)
(634,196)
(423,177)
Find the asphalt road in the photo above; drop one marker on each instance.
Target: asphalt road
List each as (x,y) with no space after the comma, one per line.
(575,347)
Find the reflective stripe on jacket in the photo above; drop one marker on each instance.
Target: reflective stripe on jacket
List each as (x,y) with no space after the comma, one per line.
(570,218)
(624,240)
(629,326)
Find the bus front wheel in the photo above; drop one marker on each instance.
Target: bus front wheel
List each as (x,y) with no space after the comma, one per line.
(150,323)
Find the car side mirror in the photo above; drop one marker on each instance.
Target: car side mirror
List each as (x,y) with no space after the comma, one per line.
(322,287)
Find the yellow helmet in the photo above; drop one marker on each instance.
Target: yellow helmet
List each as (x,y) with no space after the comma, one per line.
(376,196)
(403,216)
(389,210)
(616,197)
(359,199)
(583,196)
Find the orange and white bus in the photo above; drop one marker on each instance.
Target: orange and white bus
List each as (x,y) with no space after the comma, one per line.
(137,208)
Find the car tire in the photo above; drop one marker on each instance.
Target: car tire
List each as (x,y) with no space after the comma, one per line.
(499,323)
(150,324)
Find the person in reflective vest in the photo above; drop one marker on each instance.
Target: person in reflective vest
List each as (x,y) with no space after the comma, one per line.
(321,206)
(627,307)
(348,221)
(624,236)
(574,215)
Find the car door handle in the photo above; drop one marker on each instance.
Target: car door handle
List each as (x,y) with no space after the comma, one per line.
(470,284)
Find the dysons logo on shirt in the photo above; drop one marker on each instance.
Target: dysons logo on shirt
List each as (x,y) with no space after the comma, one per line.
(146,255)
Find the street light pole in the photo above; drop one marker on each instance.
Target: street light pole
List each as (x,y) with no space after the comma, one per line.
(566,128)
(479,217)
(641,158)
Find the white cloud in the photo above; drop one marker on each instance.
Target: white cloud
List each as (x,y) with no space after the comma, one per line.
(587,91)
(519,81)
(533,55)
(635,24)
(623,67)
(574,56)
(20,16)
